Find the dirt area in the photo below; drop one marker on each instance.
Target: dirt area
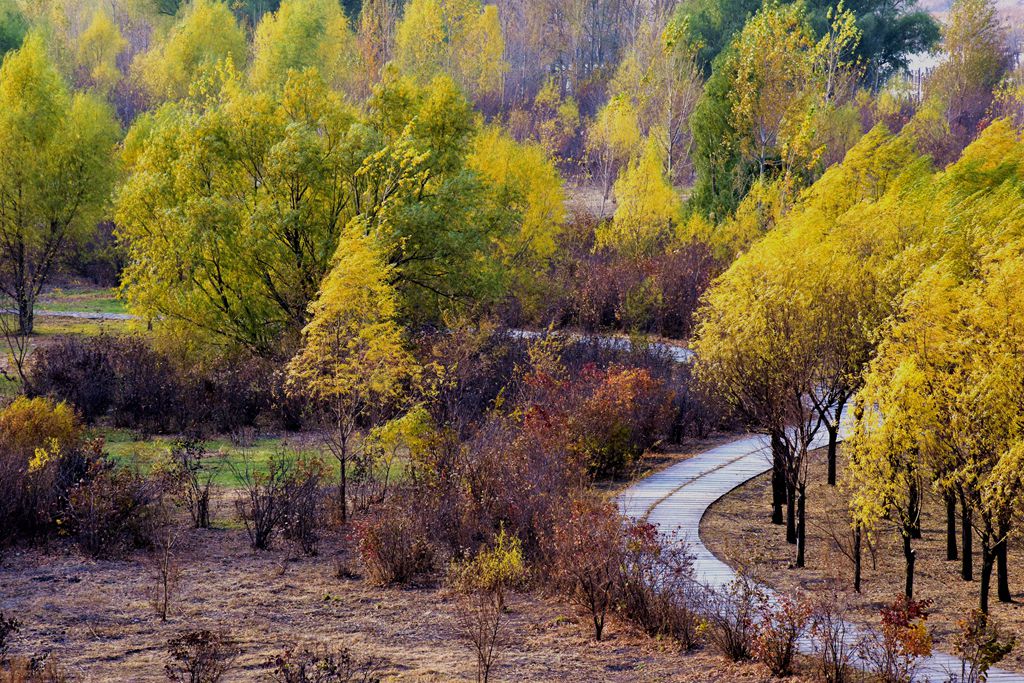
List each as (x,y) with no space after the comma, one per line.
(96,620)
(738,530)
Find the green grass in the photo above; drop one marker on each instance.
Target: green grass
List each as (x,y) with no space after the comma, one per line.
(84,299)
(229,460)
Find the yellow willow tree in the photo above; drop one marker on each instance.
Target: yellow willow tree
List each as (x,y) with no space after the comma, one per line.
(886,470)
(461,38)
(354,366)
(205,35)
(98,48)
(304,34)
(647,210)
(612,139)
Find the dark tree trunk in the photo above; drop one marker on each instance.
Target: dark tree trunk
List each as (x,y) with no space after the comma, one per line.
(951,552)
(911,558)
(856,558)
(801,525)
(966,542)
(914,510)
(26,315)
(987,560)
(790,513)
(778,479)
(833,443)
(1002,568)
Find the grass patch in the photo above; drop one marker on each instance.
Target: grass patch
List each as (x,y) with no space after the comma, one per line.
(83,299)
(229,460)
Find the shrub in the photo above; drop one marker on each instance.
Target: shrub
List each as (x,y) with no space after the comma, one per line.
(113,509)
(393,544)
(979,645)
(586,555)
(41,458)
(483,582)
(9,626)
(303,494)
(200,657)
(732,618)
(148,390)
(76,369)
(33,670)
(781,622)
(832,640)
(262,502)
(321,665)
(656,590)
(194,479)
(892,653)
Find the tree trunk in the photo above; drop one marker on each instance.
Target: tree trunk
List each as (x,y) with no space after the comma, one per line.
(911,558)
(914,510)
(951,552)
(1002,568)
(987,558)
(778,479)
(801,526)
(856,558)
(966,542)
(790,513)
(833,442)
(26,314)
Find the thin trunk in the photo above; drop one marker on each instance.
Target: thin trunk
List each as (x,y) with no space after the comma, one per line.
(911,558)
(856,558)
(778,479)
(833,442)
(26,315)
(801,525)
(1002,568)
(790,513)
(914,510)
(987,560)
(951,551)
(966,542)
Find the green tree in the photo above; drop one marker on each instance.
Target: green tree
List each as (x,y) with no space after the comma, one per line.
(231,212)
(13,26)
(56,172)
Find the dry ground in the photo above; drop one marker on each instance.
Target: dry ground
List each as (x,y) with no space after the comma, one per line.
(738,530)
(95,618)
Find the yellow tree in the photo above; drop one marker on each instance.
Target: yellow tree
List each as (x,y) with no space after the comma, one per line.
(524,187)
(354,366)
(57,168)
(205,35)
(647,207)
(98,48)
(461,38)
(303,34)
(612,139)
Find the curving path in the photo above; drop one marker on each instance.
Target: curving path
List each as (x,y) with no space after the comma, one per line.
(676,499)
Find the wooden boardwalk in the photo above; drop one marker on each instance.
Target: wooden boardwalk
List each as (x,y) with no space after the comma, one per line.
(676,499)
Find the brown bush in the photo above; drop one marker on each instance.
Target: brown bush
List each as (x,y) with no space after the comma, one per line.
(200,657)
(781,622)
(304,505)
(262,501)
(394,545)
(194,479)
(586,554)
(41,458)
(732,616)
(32,670)
(321,665)
(656,589)
(113,509)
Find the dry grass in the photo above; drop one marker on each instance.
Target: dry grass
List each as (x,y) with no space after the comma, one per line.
(738,530)
(96,620)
